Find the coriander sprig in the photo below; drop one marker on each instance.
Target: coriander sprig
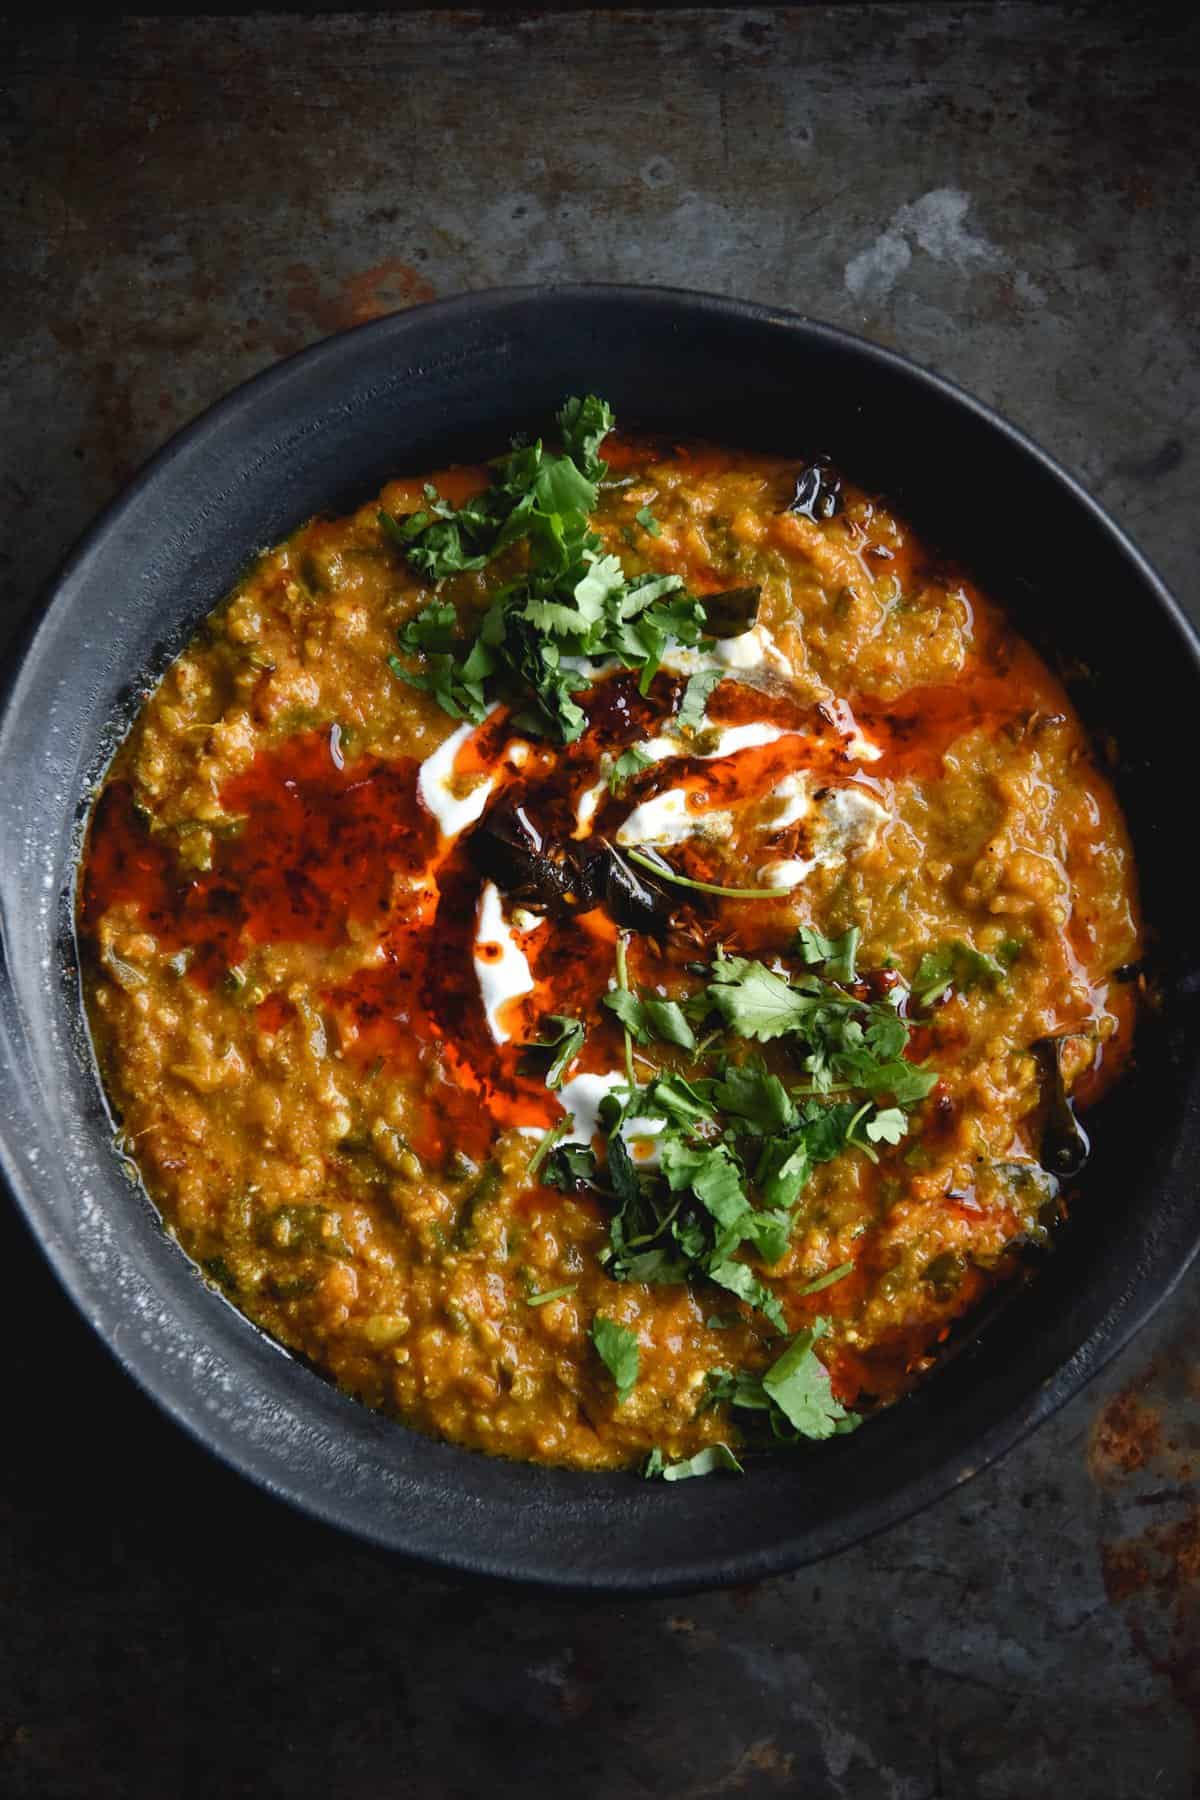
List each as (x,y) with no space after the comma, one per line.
(569,604)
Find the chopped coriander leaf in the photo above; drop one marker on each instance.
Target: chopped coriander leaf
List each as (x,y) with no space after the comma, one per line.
(631,762)
(843,1041)
(437,547)
(828,1279)
(457,687)
(711,1174)
(704,1462)
(570,1165)
(757,1099)
(672,1097)
(837,954)
(432,630)
(628,764)
(691,1220)
(647,1020)
(735,1386)
(570,601)
(887,1127)
(584,424)
(550,1142)
(648,522)
(563,1038)
(795,1391)
(696,696)
(755,1002)
(798,1385)
(956,964)
(788,1159)
(617,1347)
(741,1280)
(544,1299)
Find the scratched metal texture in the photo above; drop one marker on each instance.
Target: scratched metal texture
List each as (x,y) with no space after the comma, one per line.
(1006,192)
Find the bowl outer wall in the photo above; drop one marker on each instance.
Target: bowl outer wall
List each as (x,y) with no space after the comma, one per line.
(324,430)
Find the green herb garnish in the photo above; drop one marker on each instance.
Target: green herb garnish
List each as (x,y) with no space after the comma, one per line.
(705,1462)
(795,1392)
(828,1279)
(563,1039)
(618,1350)
(558,1293)
(648,1019)
(696,696)
(569,602)
(550,1142)
(836,954)
(631,762)
(843,1041)
(958,965)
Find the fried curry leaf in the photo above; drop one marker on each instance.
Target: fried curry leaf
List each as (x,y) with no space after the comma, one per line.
(733,612)
(818,492)
(617,1347)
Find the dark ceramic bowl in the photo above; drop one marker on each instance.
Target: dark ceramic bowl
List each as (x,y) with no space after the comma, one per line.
(322,432)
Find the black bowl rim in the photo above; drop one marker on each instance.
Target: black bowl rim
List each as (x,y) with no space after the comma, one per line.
(1108,1336)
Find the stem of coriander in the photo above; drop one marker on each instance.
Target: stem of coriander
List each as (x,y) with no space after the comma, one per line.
(666,873)
(553,1137)
(623,984)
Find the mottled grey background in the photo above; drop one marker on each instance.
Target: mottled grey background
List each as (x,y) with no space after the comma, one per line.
(1006,192)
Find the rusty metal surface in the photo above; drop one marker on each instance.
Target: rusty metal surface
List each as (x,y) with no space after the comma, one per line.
(1006,192)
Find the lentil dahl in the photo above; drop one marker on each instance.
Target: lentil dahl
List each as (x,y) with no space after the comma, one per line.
(504,1063)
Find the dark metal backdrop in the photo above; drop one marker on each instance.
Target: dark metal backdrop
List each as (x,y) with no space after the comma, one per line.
(1006,192)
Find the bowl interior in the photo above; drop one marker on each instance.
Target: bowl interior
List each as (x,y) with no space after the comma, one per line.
(323,432)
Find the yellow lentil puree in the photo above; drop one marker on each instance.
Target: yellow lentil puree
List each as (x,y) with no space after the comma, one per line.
(323,919)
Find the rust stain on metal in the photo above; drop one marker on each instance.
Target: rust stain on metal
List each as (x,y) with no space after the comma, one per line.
(1155,1579)
(387,287)
(1126,1435)
(1142,1455)
(762,1765)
